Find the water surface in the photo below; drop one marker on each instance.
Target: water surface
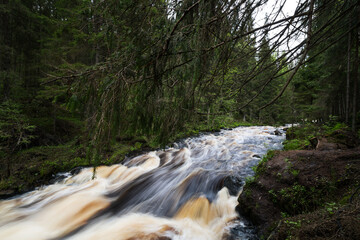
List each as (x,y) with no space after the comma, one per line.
(188,191)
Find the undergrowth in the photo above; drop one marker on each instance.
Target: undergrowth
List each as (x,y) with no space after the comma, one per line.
(305,136)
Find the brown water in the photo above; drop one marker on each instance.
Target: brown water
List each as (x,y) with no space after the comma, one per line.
(177,193)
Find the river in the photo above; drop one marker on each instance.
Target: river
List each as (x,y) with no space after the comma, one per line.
(188,191)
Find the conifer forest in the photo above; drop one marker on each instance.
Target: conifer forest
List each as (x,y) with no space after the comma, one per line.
(85,84)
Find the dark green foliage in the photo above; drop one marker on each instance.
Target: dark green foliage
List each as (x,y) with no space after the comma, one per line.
(15,129)
(307,135)
(302,137)
(37,166)
(320,87)
(300,199)
(152,72)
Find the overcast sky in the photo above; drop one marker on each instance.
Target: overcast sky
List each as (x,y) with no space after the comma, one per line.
(269,9)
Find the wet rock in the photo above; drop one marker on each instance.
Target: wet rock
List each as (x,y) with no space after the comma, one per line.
(76,170)
(233,184)
(277,132)
(256,156)
(7,194)
(241,230)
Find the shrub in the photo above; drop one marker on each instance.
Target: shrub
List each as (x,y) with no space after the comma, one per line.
(15,130)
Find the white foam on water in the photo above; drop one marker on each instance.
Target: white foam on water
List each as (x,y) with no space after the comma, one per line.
(174,193)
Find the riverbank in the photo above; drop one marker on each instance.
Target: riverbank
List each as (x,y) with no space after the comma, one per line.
(65,149)
(308,193)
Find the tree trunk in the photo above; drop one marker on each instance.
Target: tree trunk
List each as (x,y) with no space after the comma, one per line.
(356,76)
(208,116)
(348,79)
(5,62)
(6,87)
(96,26)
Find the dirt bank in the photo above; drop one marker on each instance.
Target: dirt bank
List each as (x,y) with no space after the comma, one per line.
(306,194)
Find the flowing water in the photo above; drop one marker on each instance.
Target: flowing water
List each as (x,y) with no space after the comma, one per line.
(188,191)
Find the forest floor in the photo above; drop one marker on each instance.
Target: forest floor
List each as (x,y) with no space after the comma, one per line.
(312,193)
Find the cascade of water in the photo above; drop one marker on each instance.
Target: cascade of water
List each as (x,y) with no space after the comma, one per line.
(185,192)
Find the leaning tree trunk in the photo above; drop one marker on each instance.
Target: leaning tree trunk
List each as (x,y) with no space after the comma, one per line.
(348,80)
(356,79)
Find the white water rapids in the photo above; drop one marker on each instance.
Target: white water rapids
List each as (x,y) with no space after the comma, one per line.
(185,192)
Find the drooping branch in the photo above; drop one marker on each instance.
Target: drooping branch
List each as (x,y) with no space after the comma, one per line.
(305,52)
(186,12)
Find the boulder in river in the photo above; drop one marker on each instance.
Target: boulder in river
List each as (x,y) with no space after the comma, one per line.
(233,184)
(277,132)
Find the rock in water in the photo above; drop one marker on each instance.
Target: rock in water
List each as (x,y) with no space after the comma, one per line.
(233,184)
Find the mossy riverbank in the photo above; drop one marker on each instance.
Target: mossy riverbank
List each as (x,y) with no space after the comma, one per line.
(60,146)
(308,193)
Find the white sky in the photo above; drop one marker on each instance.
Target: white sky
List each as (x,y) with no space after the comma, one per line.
(288,10)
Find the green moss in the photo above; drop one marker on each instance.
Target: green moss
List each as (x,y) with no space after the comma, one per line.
(331,207)
(306,131)
(295,172)
(293,224)
(304,136)
(119,153)
(260,168)
(273,196)
(7,183)
(296,144)
(247,192)
(290,168)
(36,166)
(300,137)
(300,199)
(249,180)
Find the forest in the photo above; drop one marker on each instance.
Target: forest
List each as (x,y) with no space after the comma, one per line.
(92,82)
(102,78)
